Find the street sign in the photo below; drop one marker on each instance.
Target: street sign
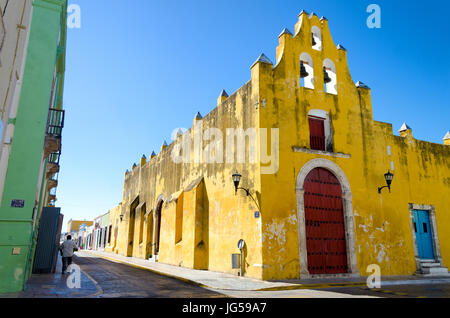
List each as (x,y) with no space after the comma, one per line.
(17,203)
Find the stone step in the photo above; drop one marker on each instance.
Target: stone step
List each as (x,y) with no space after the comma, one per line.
(427,261)
(435,270)
(430,264)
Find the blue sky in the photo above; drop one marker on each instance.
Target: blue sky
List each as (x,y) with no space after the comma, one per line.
(138,69)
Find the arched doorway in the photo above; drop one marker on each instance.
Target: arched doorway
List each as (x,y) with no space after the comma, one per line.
(324,221)
(158,226)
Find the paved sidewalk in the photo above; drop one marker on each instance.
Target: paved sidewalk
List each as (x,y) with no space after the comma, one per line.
(223,281)
(55,286)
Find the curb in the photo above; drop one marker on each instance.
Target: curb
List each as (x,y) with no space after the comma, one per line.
(359,284)
(96,284)
(430,281)
(312,286)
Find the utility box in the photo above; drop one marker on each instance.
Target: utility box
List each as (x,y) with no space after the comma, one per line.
(235,261)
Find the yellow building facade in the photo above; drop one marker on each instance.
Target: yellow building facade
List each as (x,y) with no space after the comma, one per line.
(74,225)
(313,161)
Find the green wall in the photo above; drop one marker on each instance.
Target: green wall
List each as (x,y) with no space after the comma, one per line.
(105,220)
(22,177)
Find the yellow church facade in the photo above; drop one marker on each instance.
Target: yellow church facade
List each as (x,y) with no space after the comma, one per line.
(312,198)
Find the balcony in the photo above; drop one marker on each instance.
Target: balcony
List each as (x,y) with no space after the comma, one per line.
(53,164)
(55,124)
(52,199)
(53,182)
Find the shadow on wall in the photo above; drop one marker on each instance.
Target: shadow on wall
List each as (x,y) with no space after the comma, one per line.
(131,226)
(201,260)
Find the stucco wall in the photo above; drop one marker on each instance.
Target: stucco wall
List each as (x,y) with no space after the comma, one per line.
(214,218)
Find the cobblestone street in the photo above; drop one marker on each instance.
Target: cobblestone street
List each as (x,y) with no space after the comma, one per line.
(119,280)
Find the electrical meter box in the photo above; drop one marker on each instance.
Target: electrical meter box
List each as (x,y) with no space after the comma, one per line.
(235,261)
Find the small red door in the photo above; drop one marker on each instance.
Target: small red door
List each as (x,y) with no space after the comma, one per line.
(317,133)
(325,229)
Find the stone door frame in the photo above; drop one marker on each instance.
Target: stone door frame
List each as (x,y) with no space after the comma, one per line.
(348,217)
(435,239)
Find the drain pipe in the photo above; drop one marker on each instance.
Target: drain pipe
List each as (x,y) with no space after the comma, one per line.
(241,245)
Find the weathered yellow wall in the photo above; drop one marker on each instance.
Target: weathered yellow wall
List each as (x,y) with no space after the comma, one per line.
(74,225)
(211,210)
(214,218)
(114,215)
(382,223)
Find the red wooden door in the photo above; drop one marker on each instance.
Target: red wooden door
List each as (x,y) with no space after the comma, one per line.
(325,229)
(317,133)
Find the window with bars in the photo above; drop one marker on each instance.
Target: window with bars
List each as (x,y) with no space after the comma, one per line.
(317,133)
(55,122)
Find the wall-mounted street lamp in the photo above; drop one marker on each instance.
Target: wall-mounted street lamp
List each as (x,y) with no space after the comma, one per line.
(388,176)
(237,179)
(121,217)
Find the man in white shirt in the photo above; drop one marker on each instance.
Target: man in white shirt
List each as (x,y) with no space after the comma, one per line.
(67,248)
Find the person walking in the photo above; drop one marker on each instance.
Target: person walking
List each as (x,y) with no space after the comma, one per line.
(67,248)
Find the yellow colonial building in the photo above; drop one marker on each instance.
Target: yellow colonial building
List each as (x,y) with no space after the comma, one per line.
(315,196)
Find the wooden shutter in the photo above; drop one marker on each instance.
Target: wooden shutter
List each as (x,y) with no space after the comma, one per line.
(317,133)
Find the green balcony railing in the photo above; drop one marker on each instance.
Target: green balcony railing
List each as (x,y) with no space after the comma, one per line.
(55,122)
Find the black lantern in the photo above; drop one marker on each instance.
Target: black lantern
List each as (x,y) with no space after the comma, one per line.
(388,177)
(236,180)
(121,217)
(326,78)
(313,40)
(303,72)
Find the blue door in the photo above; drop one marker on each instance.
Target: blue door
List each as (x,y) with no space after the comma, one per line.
(422,227)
